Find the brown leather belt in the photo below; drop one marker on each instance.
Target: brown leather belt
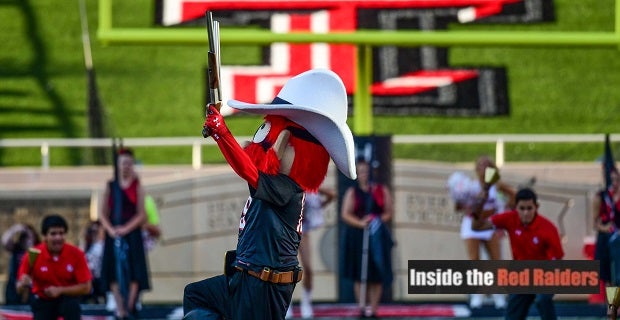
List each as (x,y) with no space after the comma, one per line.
(273,276)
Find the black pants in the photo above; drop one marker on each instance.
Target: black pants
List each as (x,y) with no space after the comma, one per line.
(241,297)
(602,253)
(614,258)
(63,306)
(519,306)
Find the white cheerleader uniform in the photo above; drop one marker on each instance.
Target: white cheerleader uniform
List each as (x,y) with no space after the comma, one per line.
(494,202)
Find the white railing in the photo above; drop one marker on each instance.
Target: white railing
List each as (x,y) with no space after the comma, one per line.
(196,143)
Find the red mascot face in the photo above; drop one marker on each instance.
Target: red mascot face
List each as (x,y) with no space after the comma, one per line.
(309,158)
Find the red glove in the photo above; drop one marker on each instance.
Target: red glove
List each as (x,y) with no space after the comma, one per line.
(232,151)
(215,125)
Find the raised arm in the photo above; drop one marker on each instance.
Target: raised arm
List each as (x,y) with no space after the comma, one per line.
(480,217)
(8,236)
(239,161)
(509,192)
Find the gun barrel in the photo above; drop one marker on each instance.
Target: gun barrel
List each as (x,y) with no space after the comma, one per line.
(214,82)
(210,33)
(215,95)
(213,62)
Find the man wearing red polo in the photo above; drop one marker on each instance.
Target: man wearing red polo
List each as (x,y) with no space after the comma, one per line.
(532,237)
(58,275)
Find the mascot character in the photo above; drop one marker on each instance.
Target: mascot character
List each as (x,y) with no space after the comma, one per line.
(305,126)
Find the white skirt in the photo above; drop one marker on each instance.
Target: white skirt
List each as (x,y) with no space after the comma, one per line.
(468,233)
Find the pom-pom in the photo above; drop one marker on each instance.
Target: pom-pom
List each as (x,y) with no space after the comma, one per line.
(461,187)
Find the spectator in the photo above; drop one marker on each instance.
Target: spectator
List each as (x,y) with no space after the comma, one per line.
(150,234)
(532,237)
(313,218)
(94,241)
(16,240)
(464,193)
(368,206)
(605,206)
(126,228)
(57,272)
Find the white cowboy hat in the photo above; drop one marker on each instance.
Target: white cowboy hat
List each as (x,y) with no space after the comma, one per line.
(316,100)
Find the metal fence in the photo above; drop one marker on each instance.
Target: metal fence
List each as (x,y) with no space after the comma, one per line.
(500,140)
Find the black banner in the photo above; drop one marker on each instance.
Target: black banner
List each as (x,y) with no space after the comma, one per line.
(503,276)
(406,80)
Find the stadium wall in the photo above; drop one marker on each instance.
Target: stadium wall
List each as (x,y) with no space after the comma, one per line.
(199,212)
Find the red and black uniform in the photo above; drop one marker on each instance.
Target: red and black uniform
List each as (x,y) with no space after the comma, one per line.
(270,226)
(136,257)
(380,241)
(266,266)
(269,236)
(68,268)
(606,214)
(538,240)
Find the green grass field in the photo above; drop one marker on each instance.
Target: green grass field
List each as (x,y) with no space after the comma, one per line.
(157,91)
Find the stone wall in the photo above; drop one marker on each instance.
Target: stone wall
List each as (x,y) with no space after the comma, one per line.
(31,210)
(199,213)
